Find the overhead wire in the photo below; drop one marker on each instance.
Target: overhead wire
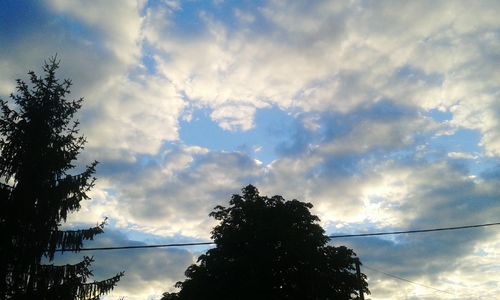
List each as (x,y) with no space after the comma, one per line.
(407,280)
(330,237)
(412,231)
(140,246)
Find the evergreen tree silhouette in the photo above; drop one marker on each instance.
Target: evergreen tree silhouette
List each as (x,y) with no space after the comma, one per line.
(39,142)
(270,248)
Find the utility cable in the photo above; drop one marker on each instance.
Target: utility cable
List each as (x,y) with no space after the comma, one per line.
(412,231)
(330,237)
(407,280)
(140,246)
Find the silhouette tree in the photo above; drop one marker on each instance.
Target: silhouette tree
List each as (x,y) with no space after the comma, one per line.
(39,142)
(270,248)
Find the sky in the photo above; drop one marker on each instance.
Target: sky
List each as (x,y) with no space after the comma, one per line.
(385,115)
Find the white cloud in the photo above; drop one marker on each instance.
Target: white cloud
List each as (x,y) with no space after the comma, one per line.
(331,59)
(134,114)
(462,155)
(244,17)
(126,110)
(147,273)
(369,134)
(172,194)
(234,117)
(340,56)
(120,34)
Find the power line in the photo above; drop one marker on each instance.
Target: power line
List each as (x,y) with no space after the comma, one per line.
(141,246)
(407,280)
(330,237)
(412,231)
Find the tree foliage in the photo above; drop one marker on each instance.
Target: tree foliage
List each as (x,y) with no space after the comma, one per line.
(39,141)
(270,248)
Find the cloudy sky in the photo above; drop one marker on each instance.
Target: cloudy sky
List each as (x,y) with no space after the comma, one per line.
(383,114)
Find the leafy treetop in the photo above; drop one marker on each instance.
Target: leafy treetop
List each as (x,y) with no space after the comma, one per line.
(270,248)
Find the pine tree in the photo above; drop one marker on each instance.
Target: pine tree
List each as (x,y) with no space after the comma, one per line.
(39,141)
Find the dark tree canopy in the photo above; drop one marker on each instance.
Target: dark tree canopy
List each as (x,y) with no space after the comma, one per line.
(39,142)
(270,248)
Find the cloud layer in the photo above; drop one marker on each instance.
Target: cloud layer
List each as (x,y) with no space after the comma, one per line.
(392,122)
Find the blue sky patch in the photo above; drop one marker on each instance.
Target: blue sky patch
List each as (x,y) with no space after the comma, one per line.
(439,116)
(463,140)
(273,129)
(21,18)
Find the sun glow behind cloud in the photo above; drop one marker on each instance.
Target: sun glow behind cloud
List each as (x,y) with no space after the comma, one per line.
(384,115)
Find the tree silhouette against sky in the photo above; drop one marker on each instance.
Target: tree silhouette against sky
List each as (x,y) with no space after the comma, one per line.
(270,248)
(39,142)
